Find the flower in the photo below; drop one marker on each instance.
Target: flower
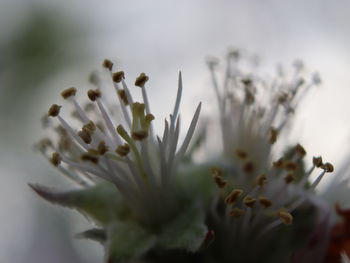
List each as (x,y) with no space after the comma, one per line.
(261,200)
(129,176)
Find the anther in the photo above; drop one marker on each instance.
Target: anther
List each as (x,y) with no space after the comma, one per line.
(123,150)
(141,80)
(68,92)
(89,157)
(94,94)
(122,95)
(278,164)
(285,217)
(241,154)
(300,150)
(233,196)
(107,64)
(290,166)
(56,159)
(139,135)
(247,81)
(118,76)
(149,117)
(248,167)
(249,201)
(261,180)
(317,161)
(85,136)
(54,110)
(264,201)
(102,148)
(328,167)
(273,135)
(89,127)
(237,212)
(220,182)
(289,178)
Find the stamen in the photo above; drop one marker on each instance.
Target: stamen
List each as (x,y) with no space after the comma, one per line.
(56,159)
(261,180)
(233,196)
(68,93)
(300,150)
(220,182)
(237,212)
(249,201)
(90,127)
(94,94)
(278,164)
(123,96)
(248,167)
(118,76)
(289,178)
(89,157)
(273,135)
(290,166)
(139,135)
(102,148)
(54,110)
(328,167)
(264,201)
(317,161)
(123,150)
(107,64)
(285,217)
(241,154)
(141,80)
(85,136)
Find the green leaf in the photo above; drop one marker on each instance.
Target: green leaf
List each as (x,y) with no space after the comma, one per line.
(127,240)
(102,202)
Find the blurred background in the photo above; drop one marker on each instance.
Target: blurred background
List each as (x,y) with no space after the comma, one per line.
(47,46)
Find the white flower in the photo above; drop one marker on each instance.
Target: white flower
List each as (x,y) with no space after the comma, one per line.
(141,165)
(261,194)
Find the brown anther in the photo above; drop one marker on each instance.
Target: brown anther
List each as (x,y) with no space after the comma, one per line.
(107,64)
(283,98)
(54,110)
(94,94)
(216,171)
(149,117)
(248,167)
(266,203)
(102,148)
(85,136)
(89,157)
(56,159)
(141,80)
(118,76)
(237,212)
(285,217)
(278,164)
(233,196)
(139,135)
(90,127)
(122,95)
(249,201)
(123,150)
(290,166)
(220,182)
(261,180)
(241,154)
(317,161)
(328,167)
(68,92)
(273,135)
(247,81)
(300,150)
(289,178)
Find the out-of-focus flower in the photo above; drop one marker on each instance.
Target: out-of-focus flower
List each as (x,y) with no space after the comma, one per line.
(129,176)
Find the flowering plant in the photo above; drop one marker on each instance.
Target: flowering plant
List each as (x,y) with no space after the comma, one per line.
(150,201)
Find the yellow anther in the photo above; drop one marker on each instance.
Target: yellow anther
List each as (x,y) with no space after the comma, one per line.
(289,178)
(94,94)
(118,76)
(285,217)
(68,92)
(328,167)
(249,201)
(107,64)
(261,180)
(141,80)
(233,196)
(56,159)
(264,201)
(123,150)
(237,212)
(273,135)
(54,110)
